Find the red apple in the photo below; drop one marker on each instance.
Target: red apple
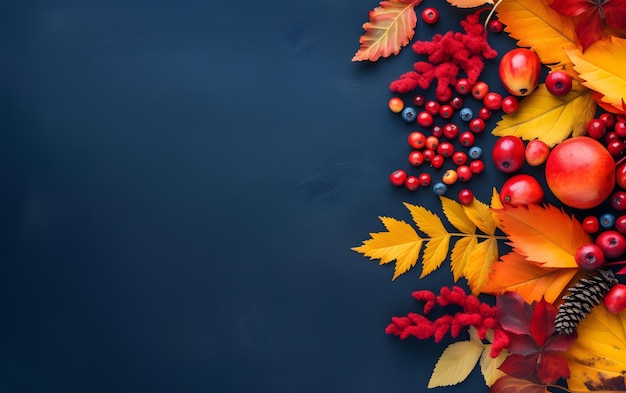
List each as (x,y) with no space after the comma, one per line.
(559,83)
(519,71)
(612,243)
(589,256)
(521,190)
(580,172)
(537,152)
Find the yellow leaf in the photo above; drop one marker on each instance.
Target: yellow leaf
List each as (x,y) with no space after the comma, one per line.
(543,234)
(434,254)
(427,222)
(482,256)
(469,3)
(534,24)
(599,353)
(456,215)
(455,364)
(496,203)
(549,118)
(400,243)
(514,273)
(602,68)
(461,255)
(488,365)
(481,215)
(391,26)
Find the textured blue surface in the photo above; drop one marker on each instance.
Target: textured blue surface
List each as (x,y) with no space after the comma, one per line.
(181,185)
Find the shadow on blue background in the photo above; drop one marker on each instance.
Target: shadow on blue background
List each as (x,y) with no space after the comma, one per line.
(181,185)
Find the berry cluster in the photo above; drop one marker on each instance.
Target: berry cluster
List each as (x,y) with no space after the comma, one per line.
(434,144)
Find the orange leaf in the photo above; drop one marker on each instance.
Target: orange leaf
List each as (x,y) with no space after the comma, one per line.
(391,27)
(469,3)
(530,280)
(543,234)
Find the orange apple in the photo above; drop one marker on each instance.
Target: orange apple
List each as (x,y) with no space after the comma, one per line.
(519,71)
(580,172)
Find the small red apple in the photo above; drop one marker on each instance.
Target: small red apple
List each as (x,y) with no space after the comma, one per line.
(521,190)
(589,256)
(537,152)
(612,243)
(580,172)
(615,299)
(559,83)
(519,71)
(508,154)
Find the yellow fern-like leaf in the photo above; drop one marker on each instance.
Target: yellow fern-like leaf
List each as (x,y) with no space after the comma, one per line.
(602,68)
(427,221)
(480,214)
(460,256)
(434,254)
(534,24)
(549,118)
(456,215)
(400,243)
(482,256)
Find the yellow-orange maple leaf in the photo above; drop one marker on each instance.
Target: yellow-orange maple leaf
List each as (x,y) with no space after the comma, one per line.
(400,243)
(469,3)
(602,69)
(532,281)
(598,357)
(543,234)
(534,24)
(391,26)
(549,118)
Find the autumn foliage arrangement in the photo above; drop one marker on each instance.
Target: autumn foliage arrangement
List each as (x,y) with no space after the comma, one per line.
(549,323)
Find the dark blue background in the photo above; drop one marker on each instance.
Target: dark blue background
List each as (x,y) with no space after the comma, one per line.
(182,182)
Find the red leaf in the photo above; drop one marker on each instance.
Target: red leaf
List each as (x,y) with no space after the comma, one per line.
(508,384)
(520,366)
(621,271)
(560,342)
(552,367)
(571,7)
(615,13)
(589,29)
(522,344)
(542,323)
(515,313)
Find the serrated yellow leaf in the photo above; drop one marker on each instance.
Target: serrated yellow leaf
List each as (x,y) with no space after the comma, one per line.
(602,68)
(535,25)
(455,364)
(489,366)
(456,215)
(469,3)
(434,254)
(549,118)
(482,256)
(599,353)
(426,221)
(496,203)
(460,255)
(514,273)
(543,234)
(400,243)
(480,214)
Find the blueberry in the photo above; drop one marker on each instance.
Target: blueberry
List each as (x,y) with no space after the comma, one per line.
(607,220)
(466,114)
(440,188)
(475,152)
(409,114)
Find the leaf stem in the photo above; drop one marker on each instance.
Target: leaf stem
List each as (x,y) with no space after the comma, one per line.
(479,236)
(491,14)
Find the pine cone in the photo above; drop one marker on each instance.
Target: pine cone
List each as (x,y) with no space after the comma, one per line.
(583,296)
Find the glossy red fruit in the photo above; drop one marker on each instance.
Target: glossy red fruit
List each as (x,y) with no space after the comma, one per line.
(519,71)
(492,101)
(508,154)
(437,161)
(398,177)
(430,15)
(608,119)
(477,166)
(437,131)
(615,299)
(456,102)
(618,200)
(425,179)
(480,90)
(477,125)
(612,243)
(591,224)
(432,107)
(459,158)
(537,152)
(412,183)
(446,111)
(510,104)
(615,147)
(484,113)
(558,83)
(620,224)
(620,129)
(596,128)
(496,26)
(589,257)
(450,131)
(417,140)
(428,154)
(466,196)
(521,190)
(464,173)
(419,100)
(425,119)
(462,86)
(445,149)
(620,175)
(416,158)
(467,138)
(432,142)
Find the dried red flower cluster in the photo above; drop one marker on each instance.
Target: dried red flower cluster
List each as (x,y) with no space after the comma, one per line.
(447,54)
(474,313)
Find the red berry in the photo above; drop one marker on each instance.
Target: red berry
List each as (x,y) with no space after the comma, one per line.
(419,100)
(424,179)
(450,130)
(462,86)
(615,147)
(508,154)
(464,173)
(591,224)
(612,243)
(620,129)
(558,83)
(432,107)
(480,90)
(496,26)
(417,140)
(466,196)
(618,200)
(608,119)
(492,101)
(477,125)
(446,111)
(428,154)
(445,149)
(589,257)
(416,158)
(620,224)
(437,161)
(430,15)
(459,158)
(398,177)
(432,142)
(596,128)
(425,119)
(412,183)
(610,136)
(615,299)
(466,138)
(510,104)
(484,113)
(477,166)
(437,131)
(456,102)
